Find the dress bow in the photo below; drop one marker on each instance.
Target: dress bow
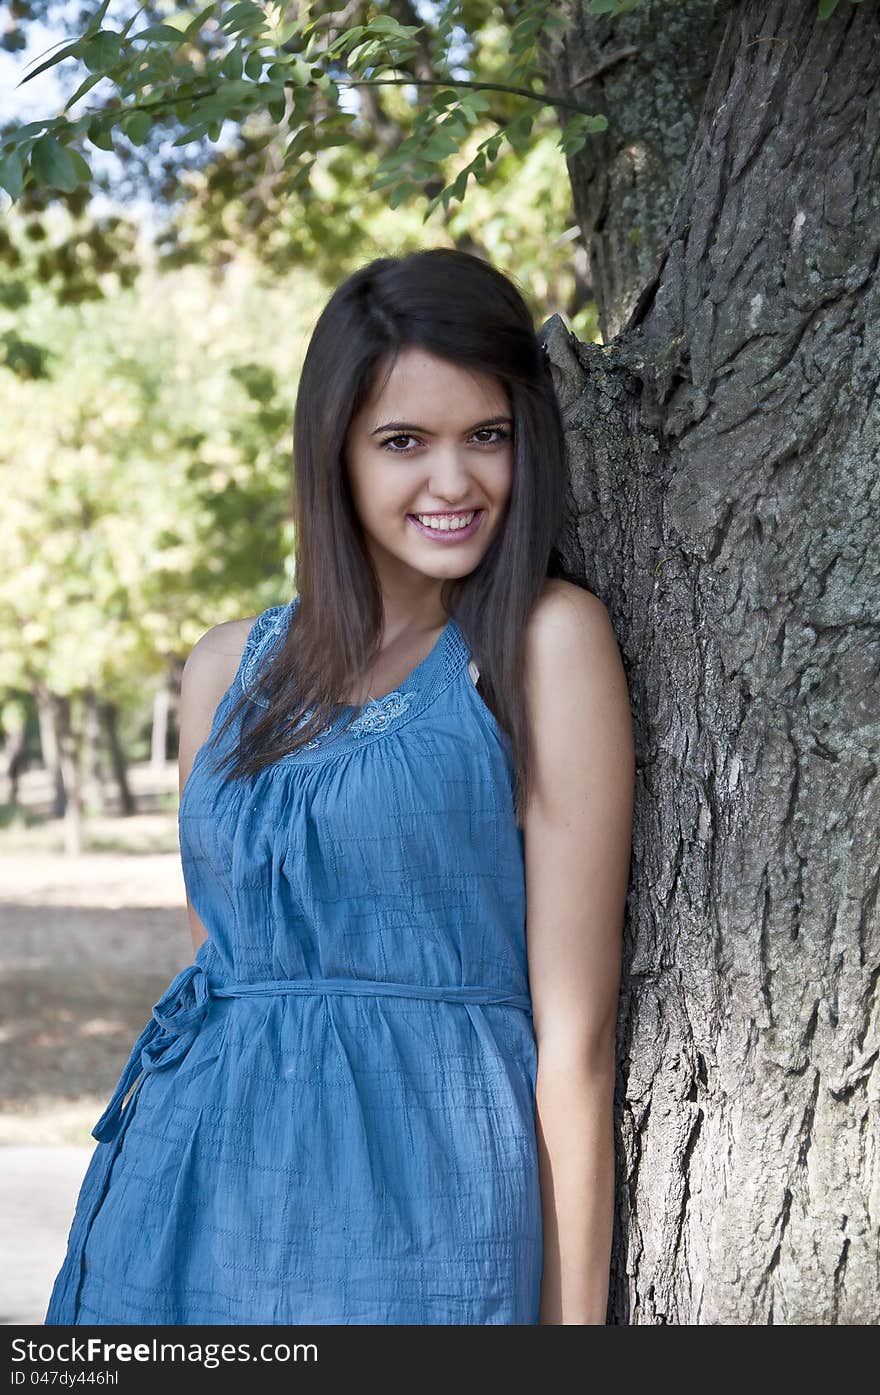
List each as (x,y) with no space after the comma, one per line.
(166,1039)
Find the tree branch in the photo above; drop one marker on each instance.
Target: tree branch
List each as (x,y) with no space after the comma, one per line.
(548,99)
(606,63)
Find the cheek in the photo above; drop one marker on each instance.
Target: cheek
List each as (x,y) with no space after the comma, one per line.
(499,482)
(384,496)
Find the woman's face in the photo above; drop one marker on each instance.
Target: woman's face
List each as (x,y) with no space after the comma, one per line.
(436,441)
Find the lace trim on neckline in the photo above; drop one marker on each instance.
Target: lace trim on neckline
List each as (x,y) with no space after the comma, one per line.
(378,715)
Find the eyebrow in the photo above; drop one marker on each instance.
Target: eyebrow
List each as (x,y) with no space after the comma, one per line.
(410,426)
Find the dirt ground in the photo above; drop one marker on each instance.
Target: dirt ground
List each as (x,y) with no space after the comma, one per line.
(87,945)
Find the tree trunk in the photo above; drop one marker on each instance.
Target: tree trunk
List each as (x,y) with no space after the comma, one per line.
(14,754)
(647,73)
(159,732)
(110,718)
(724,505)
(94,791)
(68,760)
(49,747)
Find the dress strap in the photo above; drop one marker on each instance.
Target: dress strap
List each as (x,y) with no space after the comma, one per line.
(264,634)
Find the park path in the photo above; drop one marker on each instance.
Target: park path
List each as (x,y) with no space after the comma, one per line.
(87,945)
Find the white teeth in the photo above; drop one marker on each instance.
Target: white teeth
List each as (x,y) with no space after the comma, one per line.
(445,524)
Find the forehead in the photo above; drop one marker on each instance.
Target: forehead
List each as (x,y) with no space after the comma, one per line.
(423,382)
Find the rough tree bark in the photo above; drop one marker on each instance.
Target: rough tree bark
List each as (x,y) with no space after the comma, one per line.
(724,504)
(647,73)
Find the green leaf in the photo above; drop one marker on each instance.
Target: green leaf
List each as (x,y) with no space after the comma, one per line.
(192,29)
(132,19)
(97,19)
(401,192)
(254,66)
(272,94)
(102,52)
(232,64)
(385,24)
(137,127)
(52,166)
(302,176)
(232,93)
(99,133)
(460,186)
(12,174)
(31,129)
(519,131)
(160,33)
(83,88)
(71,51)
(440,146)
(576,129)
(827,8)
(345,40)
(475,101)
(194,133)
(243,18)
(81,167)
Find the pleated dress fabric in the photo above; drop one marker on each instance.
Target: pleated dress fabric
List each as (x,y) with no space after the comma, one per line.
(330,1116)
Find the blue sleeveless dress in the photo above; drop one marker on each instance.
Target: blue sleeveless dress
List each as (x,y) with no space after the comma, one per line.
(330,1117)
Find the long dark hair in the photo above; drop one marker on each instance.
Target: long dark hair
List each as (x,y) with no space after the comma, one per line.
(461,308)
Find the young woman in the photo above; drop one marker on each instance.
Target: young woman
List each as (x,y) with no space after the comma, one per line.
(372,1097)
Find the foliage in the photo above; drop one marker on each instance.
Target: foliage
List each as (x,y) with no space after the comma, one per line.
(286,67)
(153,498)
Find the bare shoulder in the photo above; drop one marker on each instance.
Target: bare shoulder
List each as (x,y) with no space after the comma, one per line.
(218,653)
(577,696)
(559,596)
(568,624)
(210,667)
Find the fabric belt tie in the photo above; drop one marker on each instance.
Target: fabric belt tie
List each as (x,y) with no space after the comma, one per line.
(179,1014)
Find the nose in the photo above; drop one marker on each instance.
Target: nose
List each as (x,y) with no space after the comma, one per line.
(449,478)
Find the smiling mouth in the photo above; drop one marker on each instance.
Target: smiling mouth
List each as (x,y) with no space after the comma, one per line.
(448,528)
(446,522)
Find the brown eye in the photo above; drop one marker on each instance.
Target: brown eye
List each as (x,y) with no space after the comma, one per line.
(386,444)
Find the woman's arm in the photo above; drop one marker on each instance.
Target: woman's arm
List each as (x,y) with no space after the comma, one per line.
(209,669)
(578,835)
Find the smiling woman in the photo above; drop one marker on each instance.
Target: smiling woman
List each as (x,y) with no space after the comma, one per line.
(336,1114)
(451,484)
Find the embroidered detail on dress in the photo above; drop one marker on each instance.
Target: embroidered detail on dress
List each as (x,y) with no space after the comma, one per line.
(325,731)
(378,715)
(254,658)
